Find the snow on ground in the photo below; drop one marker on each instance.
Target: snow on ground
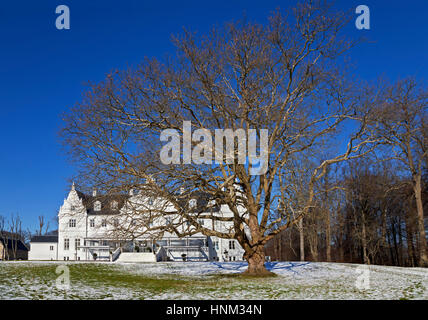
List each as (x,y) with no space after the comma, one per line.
(210,280)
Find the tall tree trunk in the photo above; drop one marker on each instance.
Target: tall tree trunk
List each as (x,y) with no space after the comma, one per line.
(409,238)
(423,258)
(327,219)
(364,239)
(302,240)
(394,234)
(400,243)
(328,237)
(275,247)
(391,251)
(313,240)
(383,235)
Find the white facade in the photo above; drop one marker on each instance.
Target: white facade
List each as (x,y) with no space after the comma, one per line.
(86,231)
(43,251)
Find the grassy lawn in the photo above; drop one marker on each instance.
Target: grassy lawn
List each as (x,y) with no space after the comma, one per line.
(27,280)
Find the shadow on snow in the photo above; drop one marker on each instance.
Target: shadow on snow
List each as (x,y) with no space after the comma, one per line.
(271,266)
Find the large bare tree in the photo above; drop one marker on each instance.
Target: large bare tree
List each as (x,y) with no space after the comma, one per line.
(403,124)
(285,76)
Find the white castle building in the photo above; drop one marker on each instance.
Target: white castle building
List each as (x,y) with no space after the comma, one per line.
(88,224)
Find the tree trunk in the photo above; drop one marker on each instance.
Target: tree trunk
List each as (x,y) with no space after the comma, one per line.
(409,238)
(391,251)
(313,244)
(364,239)
(394,238)
(302,241)
(327,219)
(383,235)
(256,262)
(276,247)
(423,258)
(400,243)
(328,237)
(255,250)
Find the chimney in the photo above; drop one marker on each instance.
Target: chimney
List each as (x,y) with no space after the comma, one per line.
(181,190)
(131,192)
(94,192)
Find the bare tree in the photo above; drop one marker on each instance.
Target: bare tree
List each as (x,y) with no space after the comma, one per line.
(43,226)
(282,77)
(16,233)
(4,238)
(403,125)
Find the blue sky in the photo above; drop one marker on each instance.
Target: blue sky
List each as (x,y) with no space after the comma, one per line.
(43,70)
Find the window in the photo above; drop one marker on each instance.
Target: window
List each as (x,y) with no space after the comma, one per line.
(72,208)
(51,248)
(216,245)
(97,206)
(72,223)
(92,223)
(104,223)
(116,222)
(77,244)
(231,244)
(66,244)
(150,201)
(114,205)
(201,222)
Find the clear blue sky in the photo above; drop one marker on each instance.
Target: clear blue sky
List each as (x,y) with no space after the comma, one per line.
(43,70)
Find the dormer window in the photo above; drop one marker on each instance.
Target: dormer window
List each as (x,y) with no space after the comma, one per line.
(192,203)
(150,201)
(114,205)
(97,206)
(72,208)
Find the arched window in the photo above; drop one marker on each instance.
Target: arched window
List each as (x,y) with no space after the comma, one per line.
(97,206)
(114,205)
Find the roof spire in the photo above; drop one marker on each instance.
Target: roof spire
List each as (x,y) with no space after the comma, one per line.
(73,187)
